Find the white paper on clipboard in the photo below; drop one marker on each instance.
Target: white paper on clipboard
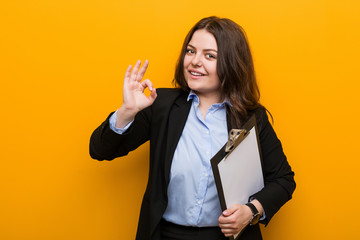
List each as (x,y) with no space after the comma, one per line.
(238,174)
(241,172)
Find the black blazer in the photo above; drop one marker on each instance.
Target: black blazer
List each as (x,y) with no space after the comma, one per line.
(162,124)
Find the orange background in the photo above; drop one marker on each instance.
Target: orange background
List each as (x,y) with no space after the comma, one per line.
(61,70)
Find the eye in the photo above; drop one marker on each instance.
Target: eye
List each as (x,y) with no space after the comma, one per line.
(209,55)
(190,51)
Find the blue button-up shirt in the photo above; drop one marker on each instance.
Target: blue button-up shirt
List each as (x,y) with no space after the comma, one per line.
(192,194)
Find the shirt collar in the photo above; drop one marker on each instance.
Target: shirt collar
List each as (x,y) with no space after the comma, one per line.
(192,96)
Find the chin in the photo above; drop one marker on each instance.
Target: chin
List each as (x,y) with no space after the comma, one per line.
(192,86)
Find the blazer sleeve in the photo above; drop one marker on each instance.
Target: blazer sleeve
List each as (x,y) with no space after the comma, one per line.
(105,144)
(279,181)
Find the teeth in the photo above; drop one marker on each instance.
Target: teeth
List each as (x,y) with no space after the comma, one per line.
(196,73)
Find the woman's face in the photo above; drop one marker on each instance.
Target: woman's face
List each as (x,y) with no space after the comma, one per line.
(200,64)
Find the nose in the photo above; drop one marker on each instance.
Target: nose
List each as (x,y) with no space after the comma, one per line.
(196,60)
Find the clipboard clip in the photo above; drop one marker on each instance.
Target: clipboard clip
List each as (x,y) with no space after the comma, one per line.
(235,138)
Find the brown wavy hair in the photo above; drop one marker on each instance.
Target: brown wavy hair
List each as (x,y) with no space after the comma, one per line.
(235,67)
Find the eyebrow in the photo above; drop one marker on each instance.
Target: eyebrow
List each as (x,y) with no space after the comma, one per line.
(208,49)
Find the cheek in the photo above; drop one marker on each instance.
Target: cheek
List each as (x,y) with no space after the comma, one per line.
(187,61)
(213,68)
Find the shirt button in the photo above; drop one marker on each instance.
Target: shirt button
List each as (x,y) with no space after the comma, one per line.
(208,153)
(206,174)
(199,202)
(207,132)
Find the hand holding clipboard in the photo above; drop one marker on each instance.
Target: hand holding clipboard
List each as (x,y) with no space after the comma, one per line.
(237,167)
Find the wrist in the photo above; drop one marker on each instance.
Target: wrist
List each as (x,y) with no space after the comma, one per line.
(123,117)
(255,214)
(258,206)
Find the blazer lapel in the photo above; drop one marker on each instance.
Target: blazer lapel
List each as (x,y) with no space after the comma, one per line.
(177,119)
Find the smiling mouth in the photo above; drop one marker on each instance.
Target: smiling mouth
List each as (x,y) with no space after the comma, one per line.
(196,73)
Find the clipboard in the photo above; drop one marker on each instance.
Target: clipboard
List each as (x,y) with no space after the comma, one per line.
(237,167)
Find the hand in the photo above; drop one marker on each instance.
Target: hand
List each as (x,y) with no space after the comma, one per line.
(234,219)
(134,98)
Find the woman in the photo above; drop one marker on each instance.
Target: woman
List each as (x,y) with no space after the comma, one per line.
(216,91)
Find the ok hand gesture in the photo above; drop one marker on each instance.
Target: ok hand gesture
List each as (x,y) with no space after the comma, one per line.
(134,98)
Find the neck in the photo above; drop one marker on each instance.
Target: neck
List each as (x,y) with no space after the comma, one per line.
(207,100)
(210,98)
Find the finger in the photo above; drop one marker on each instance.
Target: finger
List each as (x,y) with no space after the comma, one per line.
(230,210)
(153,95)
(135,71)
(226,226)
(230,219)
(226,220)
(228,232)
(223,220)
(127,73)
(147,84)
(142,71)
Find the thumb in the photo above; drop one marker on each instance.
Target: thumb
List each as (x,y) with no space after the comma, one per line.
(230,211)
(153,95)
